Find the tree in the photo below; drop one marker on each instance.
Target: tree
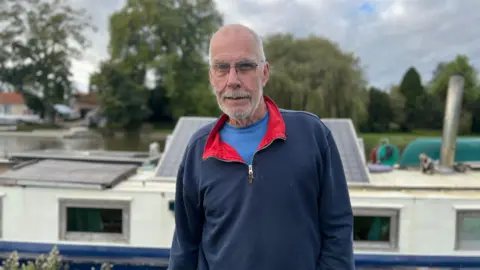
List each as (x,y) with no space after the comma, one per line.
(169,39)
(439,85)
(397,104)
(460,64)
(379,110)
(123,98)
(38,39)
(313,74)
(412,89)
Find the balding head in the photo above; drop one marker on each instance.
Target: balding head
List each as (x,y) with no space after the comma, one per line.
(238,73)
(238,32)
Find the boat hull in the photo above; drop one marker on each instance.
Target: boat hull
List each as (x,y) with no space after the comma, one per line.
(87,256)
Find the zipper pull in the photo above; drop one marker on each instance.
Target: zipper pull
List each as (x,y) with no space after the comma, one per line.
(250,174)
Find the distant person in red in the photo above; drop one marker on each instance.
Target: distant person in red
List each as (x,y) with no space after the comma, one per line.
(261,188)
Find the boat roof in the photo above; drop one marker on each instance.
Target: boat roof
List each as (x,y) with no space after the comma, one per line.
(67,174)
(127,157)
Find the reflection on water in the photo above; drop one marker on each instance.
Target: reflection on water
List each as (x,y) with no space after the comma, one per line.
(18,144)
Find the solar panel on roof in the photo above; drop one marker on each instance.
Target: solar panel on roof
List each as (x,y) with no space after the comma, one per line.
(68,174)
(87,155)
(345,137)
(342,130)
(184,129)
(361,144)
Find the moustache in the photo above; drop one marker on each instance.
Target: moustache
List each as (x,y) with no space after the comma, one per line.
(236,95)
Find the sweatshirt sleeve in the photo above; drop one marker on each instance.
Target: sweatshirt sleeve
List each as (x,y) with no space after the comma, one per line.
(336,217)
(188,223)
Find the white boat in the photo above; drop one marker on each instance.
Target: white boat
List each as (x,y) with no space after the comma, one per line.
(104,209)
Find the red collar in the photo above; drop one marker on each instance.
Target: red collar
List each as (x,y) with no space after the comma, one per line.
(215,147)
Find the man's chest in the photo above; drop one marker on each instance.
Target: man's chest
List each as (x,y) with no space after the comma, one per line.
(279,179)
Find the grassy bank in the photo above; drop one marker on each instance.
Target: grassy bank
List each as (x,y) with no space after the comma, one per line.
(27,127)
(401,140)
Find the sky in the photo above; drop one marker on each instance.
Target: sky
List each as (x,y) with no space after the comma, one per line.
(388,36)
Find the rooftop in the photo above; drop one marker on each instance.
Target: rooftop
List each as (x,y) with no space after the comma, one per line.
(67,174)
(11,98)
(89,155)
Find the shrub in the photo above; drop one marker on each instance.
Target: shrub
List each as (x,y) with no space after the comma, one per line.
(53,261)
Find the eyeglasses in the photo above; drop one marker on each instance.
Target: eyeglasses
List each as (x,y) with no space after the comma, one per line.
(241,68)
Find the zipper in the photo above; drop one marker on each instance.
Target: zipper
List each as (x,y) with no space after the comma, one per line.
(250,167)
(250,173)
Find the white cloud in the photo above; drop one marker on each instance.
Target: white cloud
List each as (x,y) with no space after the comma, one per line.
(390,37)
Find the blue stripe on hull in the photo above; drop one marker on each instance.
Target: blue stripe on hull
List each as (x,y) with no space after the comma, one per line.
(123,258)
(88,266)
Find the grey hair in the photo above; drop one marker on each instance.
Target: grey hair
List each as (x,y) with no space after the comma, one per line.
(258,41)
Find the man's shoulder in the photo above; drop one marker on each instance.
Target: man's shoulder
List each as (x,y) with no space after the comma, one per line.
(201,134)
(304,119)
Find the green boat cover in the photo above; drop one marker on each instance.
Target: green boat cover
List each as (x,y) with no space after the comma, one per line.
(467,149)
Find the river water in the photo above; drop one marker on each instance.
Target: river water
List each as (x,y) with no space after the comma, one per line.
(18,144)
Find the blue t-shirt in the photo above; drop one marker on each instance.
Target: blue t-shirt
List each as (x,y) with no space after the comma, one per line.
(245,139)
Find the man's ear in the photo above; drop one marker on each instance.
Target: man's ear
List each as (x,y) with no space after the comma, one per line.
(266,73)
(210,76)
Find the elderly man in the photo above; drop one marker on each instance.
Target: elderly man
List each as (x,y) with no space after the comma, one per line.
(260,188)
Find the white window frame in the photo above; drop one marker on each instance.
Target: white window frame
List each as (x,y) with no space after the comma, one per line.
(1,215)
(123,237)
(393,214)
(460,214)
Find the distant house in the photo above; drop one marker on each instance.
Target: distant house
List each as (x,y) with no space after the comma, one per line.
(13,104)
(84,103)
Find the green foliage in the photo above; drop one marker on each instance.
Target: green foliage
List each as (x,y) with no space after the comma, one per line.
(315,75)
(397,105)
(380,113)
(168,39)
(38,39)
(52,261)
(470,118)
(123,98)
(415,106)
(157,69)
(412,89)
(460,64)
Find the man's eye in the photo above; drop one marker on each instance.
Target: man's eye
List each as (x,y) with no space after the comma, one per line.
(245,66)
(223,67)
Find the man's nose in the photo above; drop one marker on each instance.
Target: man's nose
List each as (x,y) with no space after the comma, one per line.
(232,80)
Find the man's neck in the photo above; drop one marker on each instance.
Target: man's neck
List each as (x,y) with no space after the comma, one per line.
(256,116)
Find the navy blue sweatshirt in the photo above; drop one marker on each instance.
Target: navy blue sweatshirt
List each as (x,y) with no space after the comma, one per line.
(289,210)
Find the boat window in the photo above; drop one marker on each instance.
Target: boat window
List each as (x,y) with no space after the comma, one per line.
(171,206)
(468,230)
(1,217)
(375,228)
(94,220)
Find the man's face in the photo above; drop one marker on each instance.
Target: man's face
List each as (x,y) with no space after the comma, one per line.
(237,74)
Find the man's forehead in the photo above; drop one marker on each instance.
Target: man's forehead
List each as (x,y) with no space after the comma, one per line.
(233,46)
(236,31)
(228,58)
